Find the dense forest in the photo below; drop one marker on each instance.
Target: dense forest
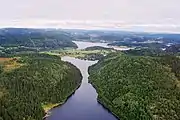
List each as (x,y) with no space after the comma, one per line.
(168,58)
(138,87)
(145,52)
(29,82)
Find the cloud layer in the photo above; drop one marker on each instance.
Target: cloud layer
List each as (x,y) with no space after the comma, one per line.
(153,15)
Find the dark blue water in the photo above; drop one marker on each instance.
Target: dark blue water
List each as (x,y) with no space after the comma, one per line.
(83,104)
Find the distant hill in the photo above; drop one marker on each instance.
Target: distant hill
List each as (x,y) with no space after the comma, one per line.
(35,38)
(173,49)
(117,35)
(126,38)
(145,52)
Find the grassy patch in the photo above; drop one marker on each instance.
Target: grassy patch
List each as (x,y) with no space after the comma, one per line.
(12,64)
(2,60)
(49,106)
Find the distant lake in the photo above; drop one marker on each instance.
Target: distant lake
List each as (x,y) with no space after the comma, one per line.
(83,45)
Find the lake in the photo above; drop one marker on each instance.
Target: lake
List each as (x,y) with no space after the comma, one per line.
(83,45)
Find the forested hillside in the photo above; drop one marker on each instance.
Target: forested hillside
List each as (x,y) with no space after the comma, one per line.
(163,57)
(28,83)
(137,88)
(15,40)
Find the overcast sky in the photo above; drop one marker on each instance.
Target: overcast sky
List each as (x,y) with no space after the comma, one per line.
(139,15)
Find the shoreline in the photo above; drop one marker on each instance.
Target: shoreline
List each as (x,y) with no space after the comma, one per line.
(47,114)
(107,109)
(101,103)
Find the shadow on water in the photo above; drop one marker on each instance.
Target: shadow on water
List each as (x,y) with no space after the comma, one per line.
(82,105)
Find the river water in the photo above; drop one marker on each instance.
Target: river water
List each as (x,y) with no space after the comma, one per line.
(82,105)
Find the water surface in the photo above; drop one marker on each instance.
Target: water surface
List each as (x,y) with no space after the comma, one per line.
(85,44)
(83,104)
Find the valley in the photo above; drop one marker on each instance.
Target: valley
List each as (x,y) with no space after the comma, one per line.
(61,74)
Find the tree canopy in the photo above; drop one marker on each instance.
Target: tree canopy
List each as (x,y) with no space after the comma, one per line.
(39,80)
(137,88)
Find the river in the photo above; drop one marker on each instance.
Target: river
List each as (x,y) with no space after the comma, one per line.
(82,105)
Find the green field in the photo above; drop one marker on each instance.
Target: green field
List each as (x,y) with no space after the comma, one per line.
(81,54)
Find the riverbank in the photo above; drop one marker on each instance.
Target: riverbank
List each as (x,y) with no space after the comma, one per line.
(47,110)
(102,103)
